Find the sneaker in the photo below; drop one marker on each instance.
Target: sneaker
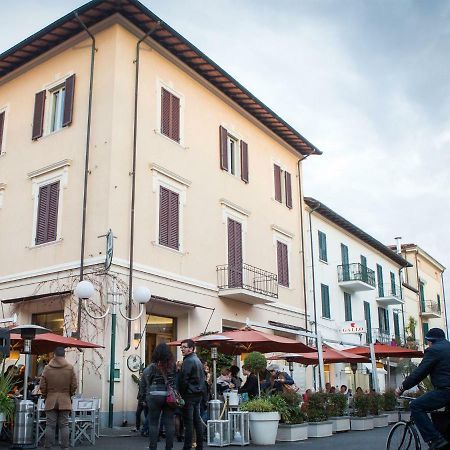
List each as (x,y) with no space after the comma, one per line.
(437,443)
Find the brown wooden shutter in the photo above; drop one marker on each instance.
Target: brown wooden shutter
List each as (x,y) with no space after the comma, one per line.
(282,263)
(277,180)
(2,127)
(165,112)
(223,134)
(38,116)
(244,161)
(168,218)
(68,101)
(175,118)
(234,253)
(288,189)
(47,214)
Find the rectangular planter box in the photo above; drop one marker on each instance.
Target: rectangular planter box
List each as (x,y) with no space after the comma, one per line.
(392,416)
(340,423)
(320,429)
(406,415)
(361,423)
(292,433)
(380,421)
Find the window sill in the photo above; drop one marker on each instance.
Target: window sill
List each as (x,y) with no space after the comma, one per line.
(289,288)
(232,175)
(50,133)
(173,250)
(327,318)
(178,144)
(323,261)
(46,244)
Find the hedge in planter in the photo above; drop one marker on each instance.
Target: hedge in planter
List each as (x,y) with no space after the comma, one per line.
(360,420)
(293,426)
(376,406)
(337,411)
(316,411)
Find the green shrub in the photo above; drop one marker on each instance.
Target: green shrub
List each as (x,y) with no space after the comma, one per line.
(316,408)
(390,400)
(337,405)
(256,362)
(376,403)
(361,405)
(293,415)
(261,404)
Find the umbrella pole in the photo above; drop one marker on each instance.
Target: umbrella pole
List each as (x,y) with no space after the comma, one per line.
(25,377)
(321,366)
(374,368)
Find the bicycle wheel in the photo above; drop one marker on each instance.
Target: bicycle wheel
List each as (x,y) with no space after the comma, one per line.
(403,436)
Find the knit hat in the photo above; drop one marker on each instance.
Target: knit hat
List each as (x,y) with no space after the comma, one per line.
(435,334)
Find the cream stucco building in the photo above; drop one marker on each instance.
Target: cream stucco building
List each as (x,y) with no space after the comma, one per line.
(198,180)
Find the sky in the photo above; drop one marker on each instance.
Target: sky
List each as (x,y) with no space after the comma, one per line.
(367,82)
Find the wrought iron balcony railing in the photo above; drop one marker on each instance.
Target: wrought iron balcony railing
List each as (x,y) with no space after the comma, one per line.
(356,272)
(388,290)
(430,307)
(249,278)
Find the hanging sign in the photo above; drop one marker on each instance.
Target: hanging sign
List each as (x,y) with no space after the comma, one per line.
(353,327)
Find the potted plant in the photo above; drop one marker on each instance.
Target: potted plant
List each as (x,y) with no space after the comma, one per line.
(292,426)
(390,404)
(318,425)
(360,419)
(256,362)
(6,402)
(263,418)
(376,404)
(337,411)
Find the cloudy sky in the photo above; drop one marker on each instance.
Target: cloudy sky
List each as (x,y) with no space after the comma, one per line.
(368,82)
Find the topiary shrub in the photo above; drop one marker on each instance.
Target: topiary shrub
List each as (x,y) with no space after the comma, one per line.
(361,405)
(390,400)
(256,362)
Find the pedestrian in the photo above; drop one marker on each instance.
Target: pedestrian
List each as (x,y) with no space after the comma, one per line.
(58,383)
(436,365)
(178,413)
(156,378)
(191,387)
(141,407)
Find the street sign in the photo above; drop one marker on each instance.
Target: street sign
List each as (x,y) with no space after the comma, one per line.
(353,327)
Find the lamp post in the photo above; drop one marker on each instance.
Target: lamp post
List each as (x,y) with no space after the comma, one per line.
(141,294)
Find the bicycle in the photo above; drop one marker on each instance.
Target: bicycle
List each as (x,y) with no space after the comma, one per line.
(404,434)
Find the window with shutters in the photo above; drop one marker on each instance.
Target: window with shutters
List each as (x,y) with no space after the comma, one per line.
(348,306)
(322,246)
(282,185)
(47,213)
(325,294)
(283,264)
(169,218)
(2,130)
(53,107)
(233,154)
(170,115)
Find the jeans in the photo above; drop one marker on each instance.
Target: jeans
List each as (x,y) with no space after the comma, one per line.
(191,419)
(62,417)
(141,407)
(158,408)
(426,403)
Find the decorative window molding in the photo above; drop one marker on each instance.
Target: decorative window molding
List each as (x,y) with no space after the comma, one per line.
(169,174)
(283,232)
(56,172)
(242,213)
(168,86)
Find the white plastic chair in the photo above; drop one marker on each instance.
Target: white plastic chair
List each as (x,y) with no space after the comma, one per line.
(83,421)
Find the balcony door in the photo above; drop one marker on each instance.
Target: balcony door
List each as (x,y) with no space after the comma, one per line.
(345,263)
(422,295)
(234,253)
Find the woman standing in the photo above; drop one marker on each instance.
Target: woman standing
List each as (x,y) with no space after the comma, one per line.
(156,377)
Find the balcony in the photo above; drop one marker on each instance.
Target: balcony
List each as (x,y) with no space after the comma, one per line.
(356,277)
(247,284)
(430,309)
(389,294)
(383,337)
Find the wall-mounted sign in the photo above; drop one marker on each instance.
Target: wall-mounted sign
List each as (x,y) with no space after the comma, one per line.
(353,327)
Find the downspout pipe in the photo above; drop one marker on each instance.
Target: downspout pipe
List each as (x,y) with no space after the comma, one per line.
(400,278)
(314,276)
(86,165)
(302,226)
(133,180)
(444,303)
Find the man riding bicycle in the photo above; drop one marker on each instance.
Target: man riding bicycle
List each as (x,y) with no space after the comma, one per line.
(436,363)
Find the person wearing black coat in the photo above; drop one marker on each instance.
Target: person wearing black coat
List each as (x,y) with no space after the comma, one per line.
(251,384)
(156,377)
(436,364)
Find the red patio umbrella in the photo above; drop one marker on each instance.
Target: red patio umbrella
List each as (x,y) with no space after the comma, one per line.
(248,340)
(330,356)
(47,342)
(384,351)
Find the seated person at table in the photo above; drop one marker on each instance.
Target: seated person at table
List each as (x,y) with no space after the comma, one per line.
(250,387)
(277,379)
(224,381)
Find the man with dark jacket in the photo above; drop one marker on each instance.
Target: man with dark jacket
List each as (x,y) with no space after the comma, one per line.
(436,364)
(58,384)
(191,386)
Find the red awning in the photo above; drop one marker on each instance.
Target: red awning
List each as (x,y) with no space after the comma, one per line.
(383,351)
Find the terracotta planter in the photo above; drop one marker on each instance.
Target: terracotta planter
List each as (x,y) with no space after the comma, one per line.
(320,429)
(292,432)
(361,423)
(341,423)
(382,420)
(264,427)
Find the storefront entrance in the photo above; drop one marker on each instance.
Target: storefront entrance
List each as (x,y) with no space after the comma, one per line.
(158,329)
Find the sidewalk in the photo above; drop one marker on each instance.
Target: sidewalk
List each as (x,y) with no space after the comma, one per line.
(354,440)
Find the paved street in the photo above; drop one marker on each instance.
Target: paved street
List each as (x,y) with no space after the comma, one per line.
(354,440)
